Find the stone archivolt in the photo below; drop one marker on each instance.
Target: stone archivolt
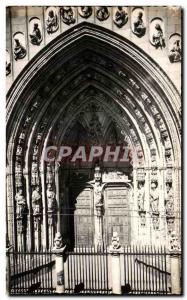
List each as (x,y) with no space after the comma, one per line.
(112,83)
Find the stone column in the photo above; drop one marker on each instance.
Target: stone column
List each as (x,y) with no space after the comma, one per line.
(175,256)
(58,250)
(115,249)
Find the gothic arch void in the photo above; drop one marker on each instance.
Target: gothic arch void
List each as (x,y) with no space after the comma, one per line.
(134,102)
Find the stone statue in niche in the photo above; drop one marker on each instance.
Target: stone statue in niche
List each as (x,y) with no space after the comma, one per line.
(102,13)
(155,220)
(35,151)
(36,201)
(36,36)
(51,199)
(21,138)
(141,196)
(120,17)
(20,204)
(18,175)
(19,50)
(52,22)
(35,176)
(175,52)
(154,198)
(158,37)
(49,174)
(19,151)
(169,205)
(139,26)
(67,15)
(85,11)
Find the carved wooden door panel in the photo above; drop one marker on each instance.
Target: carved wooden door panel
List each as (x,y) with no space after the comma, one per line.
(82,222)
(116,216)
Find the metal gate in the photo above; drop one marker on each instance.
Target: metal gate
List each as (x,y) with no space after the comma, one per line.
(86,271)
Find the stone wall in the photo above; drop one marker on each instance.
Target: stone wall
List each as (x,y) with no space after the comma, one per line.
(21,19)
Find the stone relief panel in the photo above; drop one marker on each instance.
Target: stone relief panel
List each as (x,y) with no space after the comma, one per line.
(51,20)
(174,47)
(85,11)
(19,47)
(8,63)
(157,33)
(68,15)
(138,22)
(102,13)
(35,31)
(120,16)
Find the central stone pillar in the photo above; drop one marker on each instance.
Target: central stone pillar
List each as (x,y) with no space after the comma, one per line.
(58,250)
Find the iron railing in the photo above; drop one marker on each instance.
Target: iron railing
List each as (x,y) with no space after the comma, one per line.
(30,273)
(145,270)
(86,271)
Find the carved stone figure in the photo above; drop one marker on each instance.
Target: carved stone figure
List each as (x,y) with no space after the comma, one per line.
(35,150)
(102,13)
(139,27)
(20,204)
(51,199)
(98,193)
(175,52)
(154,198)
(58,241)
(67,15)
(141,196)
(27,121)
(85,11)
(52,22)
(19,150)
(169,205)
(155,220)
(18,174)
(49,175)
(174,243)
(22,138)
(36,201)
(95,128)
(36,36)
(120,17)
(115,241)
(158,38)
(19,50)
(34,171)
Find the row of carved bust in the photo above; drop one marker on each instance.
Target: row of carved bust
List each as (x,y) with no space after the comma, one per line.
(68,16)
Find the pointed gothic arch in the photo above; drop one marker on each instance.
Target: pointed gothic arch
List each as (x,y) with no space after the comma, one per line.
(87,64)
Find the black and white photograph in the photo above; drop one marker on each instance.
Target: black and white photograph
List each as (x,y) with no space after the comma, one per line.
(94,176)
